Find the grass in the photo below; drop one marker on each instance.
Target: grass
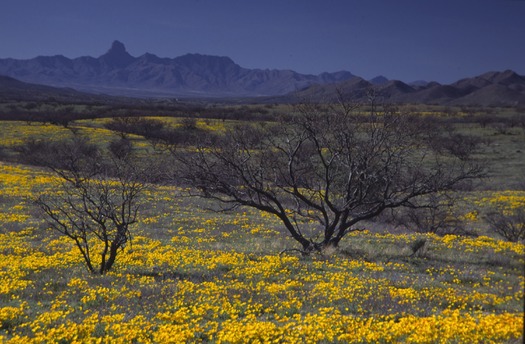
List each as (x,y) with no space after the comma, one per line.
(194,275)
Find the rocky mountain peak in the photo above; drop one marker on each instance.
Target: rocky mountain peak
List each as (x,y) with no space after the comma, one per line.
(117,48)
(117,56)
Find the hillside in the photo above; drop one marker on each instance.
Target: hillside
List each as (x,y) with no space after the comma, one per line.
(505,88)
(12,89)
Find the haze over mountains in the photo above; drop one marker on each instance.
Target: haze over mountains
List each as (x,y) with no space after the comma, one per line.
(489,89)
(193,75)
(117,72)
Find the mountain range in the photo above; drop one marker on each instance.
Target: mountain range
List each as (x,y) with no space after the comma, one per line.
(193,75)
(117,72)
(505,88)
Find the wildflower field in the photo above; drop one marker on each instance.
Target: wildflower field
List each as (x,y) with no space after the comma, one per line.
(194,275)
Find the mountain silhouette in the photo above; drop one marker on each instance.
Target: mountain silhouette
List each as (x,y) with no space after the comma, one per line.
(194,75)
(117,72)
(505,88)
(117,56)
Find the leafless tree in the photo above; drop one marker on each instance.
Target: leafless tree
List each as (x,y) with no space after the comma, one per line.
(509,223)
(329,165)
(96,200)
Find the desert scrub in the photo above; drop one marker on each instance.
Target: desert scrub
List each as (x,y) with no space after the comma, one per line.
(172,287)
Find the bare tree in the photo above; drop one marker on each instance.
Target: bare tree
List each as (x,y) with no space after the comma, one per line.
(332,166)
(509,223)
(96,200)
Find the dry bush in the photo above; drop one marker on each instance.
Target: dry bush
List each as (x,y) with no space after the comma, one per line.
(510,224)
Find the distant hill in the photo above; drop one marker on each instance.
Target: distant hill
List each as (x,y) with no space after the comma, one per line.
(117,72)
(201,76)
(505,88)
(16,90)
(378,80)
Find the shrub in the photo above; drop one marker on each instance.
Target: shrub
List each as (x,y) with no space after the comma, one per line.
(97,199)
(510,224)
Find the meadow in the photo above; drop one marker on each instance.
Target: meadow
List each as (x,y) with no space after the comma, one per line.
(192,274)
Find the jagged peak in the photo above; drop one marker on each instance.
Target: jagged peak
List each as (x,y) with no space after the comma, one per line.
(117,47)
(117,56)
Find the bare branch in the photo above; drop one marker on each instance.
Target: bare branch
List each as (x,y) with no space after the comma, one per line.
(332,165)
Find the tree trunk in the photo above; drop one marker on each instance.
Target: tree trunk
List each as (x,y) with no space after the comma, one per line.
(323,247)
(111,259)
(333,242)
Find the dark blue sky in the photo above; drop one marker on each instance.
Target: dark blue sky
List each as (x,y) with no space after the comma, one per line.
(408,40)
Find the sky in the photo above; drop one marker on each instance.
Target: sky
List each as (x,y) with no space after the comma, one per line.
(408,40)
